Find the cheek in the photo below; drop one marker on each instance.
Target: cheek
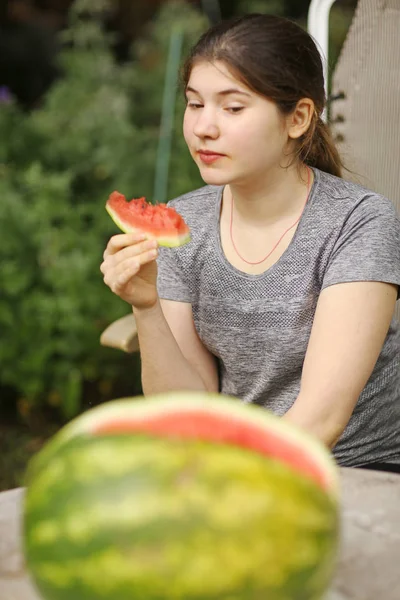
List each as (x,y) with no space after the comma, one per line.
(261,138)
(187,127)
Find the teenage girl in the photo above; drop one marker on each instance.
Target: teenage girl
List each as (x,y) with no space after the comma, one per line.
(286,293)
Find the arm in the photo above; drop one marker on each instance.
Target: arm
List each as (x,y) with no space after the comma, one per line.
(349,329)
(172,355)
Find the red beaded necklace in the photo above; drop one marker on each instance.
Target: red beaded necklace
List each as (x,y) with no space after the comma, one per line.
(258,262)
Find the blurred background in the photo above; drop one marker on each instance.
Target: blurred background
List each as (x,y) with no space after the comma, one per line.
(81,104)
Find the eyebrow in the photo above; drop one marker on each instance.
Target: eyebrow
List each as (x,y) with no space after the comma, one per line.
(222,93)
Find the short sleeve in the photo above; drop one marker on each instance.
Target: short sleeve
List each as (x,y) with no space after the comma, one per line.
(171,281)
(368,245)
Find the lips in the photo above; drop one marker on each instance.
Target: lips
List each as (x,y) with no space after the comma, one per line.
(209,153)
(208,156)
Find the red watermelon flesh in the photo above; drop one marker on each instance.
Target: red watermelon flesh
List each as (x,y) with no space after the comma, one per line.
(214,428)
(160,222)
(191,415)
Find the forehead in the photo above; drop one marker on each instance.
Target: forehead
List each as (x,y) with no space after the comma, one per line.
(214,76)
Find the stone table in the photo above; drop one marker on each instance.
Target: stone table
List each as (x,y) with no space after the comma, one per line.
(369,558)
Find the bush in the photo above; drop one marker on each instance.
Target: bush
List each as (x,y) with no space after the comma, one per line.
(96,131)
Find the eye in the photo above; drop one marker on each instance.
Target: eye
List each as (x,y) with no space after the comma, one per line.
(192,104)
(235,109)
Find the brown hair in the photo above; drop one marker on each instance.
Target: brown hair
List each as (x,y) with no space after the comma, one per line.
(279,60)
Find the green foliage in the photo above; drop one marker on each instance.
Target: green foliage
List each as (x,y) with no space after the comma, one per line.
(96,131)
(14,454)
(339,23)
(266,7)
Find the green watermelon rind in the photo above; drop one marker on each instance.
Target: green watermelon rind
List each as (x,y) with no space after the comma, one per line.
(177,402)
(172,241)
(65,542)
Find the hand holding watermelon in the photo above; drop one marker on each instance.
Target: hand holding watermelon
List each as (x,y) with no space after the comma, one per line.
(130,269)
(129,265)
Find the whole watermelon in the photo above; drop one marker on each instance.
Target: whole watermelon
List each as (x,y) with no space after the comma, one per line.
(181,497)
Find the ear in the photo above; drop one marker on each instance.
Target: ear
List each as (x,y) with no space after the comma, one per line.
(300,119)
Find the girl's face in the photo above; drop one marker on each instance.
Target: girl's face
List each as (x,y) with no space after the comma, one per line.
(234,135)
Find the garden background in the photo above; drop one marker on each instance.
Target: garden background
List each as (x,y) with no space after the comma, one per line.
(81,95)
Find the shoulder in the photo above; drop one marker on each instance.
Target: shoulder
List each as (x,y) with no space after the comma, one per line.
(200,209)
(198,205)
(347,197)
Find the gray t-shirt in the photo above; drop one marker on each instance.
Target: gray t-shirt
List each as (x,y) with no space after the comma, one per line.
(258,326)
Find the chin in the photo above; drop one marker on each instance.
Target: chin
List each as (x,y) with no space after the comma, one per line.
(214,178)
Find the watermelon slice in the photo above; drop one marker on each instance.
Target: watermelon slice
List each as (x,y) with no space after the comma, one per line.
(159,222)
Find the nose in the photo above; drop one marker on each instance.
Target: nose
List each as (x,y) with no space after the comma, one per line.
(206,125)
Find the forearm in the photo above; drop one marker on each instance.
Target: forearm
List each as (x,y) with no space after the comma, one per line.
(164,367)
(326,427)
(347,337)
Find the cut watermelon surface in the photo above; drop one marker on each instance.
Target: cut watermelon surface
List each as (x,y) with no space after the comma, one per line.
(160,222)
(213,418)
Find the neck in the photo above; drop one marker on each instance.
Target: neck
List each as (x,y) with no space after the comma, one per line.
(278,194)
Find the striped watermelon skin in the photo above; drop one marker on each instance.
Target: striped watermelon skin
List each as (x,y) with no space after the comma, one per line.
(138,517)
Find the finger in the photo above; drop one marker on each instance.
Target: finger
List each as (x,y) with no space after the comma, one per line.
(125,276)
(113,272)
(114,261)
(147,257)
(133,250)
(117,242)
(117,277)
(134,264)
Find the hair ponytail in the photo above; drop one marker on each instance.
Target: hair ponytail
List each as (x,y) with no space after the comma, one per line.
(318,149)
